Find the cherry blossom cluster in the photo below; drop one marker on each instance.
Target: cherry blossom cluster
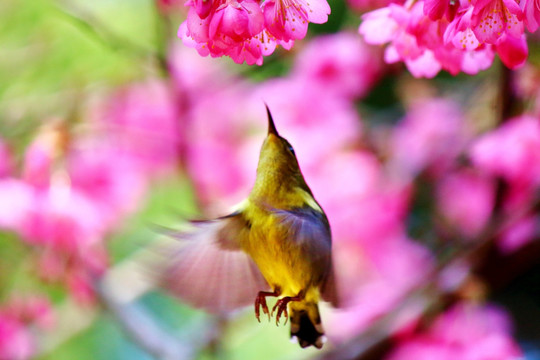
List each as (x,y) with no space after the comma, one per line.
(72,191)
(456,35)
(247,30)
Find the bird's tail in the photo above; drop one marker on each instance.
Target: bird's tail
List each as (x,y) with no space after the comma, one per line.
(306,324)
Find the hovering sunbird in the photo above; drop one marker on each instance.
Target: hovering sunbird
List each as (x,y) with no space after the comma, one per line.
(277,243)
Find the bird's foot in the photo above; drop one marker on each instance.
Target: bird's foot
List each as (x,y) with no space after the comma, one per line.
(281,306)
(260,301)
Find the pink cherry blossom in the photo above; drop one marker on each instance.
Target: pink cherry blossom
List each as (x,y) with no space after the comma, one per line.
(284,22)
(433,35)
(419,42)
(288,19)
(512,51)
(236,20)
(201,7)
(531,12)
(436,9)
(246,30)
(492,18)
(195,33)
(379,26)
(463,332)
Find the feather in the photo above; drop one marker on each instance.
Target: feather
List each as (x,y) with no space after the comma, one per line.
(329,288)
(209,270)
(311,230)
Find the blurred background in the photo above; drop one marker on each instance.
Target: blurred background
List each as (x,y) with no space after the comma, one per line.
(110,127)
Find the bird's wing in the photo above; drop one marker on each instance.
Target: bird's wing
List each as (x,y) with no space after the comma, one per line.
(329,288)
(209,270)
(309,227)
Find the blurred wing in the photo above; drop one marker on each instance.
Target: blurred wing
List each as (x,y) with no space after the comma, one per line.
(329,290)
(311,230)
(210,271)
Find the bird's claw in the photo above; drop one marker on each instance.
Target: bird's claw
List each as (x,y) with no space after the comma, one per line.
(260,301)
(281,306)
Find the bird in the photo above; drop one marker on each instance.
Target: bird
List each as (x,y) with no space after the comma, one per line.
(276,243)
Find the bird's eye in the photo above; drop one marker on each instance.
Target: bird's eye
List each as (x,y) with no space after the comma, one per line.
(289,146)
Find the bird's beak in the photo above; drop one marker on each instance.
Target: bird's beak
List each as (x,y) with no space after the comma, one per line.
(271,126)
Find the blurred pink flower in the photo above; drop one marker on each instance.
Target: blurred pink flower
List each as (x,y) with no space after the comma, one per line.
(63,219)
(141,122)
(193,75)
(466,199)
(511,151)
(75,190)
(37,165)
(68,228)
(44,154)
(366,5)
(519,234)
(341,62)
(215,137)
(116,188)
(17,200)
(430,137)
(16,341)
(463,332)
(34,309)
(166,6)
